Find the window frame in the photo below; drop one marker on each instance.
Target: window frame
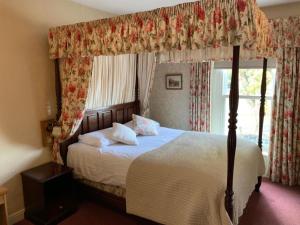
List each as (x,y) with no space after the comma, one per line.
(220,98)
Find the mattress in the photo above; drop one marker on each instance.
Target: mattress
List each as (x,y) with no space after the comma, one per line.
(109,165)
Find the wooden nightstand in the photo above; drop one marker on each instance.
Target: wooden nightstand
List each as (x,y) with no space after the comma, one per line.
(3,206)
(48,193)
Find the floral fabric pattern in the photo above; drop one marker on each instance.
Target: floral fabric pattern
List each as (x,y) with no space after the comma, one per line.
(285,33)
(190,26)
(115,190)
(75,74)
(285,133)
(200,96)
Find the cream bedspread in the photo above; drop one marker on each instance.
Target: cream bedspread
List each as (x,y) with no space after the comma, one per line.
(184,181)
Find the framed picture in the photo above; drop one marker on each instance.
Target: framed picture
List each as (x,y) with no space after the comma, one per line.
(174,81)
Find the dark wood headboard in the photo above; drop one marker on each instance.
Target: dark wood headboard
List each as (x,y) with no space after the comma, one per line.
(100,119)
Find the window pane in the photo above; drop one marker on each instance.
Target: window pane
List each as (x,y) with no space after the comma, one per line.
(248,120)
(249,81)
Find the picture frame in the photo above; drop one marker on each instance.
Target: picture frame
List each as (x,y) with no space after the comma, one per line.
(174,81)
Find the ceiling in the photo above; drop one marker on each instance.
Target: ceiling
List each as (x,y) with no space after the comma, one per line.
(120,7)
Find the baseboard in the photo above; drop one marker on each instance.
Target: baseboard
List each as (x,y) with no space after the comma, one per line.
(16,217)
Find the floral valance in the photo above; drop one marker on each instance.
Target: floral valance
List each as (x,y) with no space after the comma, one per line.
(190,26)
(286,32)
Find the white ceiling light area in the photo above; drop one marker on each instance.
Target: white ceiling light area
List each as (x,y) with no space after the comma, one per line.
(120,7)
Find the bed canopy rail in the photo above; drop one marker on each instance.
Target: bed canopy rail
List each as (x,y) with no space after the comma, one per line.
(204,26)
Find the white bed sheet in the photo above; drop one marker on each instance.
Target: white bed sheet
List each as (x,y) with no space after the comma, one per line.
(110,164)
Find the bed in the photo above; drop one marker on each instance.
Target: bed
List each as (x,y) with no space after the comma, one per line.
(104,172)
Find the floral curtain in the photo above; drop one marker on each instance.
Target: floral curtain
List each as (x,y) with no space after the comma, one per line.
(285,136)
(200,74)
(75,74)
(190,26)
(285,133)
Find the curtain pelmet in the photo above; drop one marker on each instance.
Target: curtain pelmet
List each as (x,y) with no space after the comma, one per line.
(189,26)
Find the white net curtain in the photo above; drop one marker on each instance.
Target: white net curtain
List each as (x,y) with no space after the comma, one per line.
(113,81)
(146,73)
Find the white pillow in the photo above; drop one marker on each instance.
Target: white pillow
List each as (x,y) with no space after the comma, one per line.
(145,126)
(124,134)
(99,138)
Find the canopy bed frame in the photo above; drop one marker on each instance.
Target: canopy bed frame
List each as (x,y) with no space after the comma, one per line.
(103,118)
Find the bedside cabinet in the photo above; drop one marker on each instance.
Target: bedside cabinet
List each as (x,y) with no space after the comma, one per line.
(48,193)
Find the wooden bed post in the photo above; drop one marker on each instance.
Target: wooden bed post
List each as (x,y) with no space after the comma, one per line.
(263,90)
(231,141)
(57,89)
(137,78)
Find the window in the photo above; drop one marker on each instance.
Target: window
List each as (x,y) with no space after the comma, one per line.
(249,102)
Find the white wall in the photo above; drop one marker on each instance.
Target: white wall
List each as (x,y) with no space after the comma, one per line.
(170,107)
(281,11)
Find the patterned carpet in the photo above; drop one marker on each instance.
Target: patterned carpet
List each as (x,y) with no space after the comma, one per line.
(274,205)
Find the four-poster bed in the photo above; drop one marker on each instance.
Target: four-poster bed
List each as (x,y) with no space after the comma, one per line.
(247,35)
